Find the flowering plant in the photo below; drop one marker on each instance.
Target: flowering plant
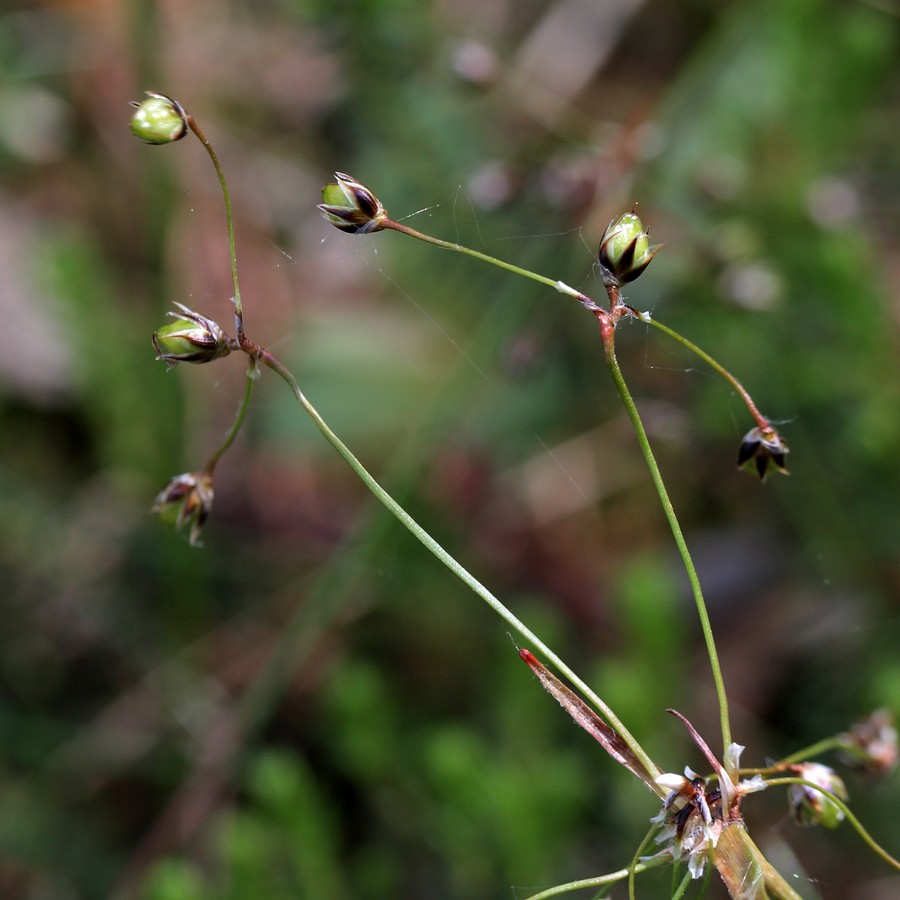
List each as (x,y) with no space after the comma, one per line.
(699,820)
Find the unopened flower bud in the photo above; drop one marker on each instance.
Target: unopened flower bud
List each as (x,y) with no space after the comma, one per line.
(190,338)
(871,745)
(812,807)
(351,206)
(186,500)
(625,250)
(158,119)
(762,449)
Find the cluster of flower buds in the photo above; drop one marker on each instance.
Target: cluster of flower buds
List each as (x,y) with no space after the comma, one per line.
(351,206)
(186,500)
(761,450)
(693,816)
(158,119)
(625,250)
(691,819)
(810,806)
(190,338)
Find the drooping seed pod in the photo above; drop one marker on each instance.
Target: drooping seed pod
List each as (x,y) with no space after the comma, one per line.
(186,500)
(761,450)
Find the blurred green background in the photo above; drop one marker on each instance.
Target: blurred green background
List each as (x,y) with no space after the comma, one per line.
(310,706)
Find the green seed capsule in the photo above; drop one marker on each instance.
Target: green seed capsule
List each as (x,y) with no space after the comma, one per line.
(158,119)
(351,206)
(625,250)
(191,338)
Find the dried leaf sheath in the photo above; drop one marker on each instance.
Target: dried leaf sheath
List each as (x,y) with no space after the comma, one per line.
(747,874)
(589,720)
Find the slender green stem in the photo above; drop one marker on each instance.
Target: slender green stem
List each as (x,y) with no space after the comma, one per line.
(761,420)
(484,257)
(334,596)
(677,533)
(851,818)
(683,886)
(448,560)
(635,860)
(832,743)
(229,218)
(820,747)
(252,372)
(616,310)
(600,880)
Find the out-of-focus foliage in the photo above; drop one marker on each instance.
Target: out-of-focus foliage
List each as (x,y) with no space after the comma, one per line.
(309,706)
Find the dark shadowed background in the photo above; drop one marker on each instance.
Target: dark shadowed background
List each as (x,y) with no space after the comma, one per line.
(309,706)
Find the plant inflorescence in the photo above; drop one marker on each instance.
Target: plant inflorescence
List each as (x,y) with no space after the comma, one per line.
(700,819)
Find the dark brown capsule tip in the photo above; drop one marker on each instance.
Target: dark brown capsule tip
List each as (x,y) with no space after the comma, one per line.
(367,203)
(626,261)
(746,452)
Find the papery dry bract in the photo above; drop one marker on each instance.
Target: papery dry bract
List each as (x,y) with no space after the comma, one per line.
(589,720)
